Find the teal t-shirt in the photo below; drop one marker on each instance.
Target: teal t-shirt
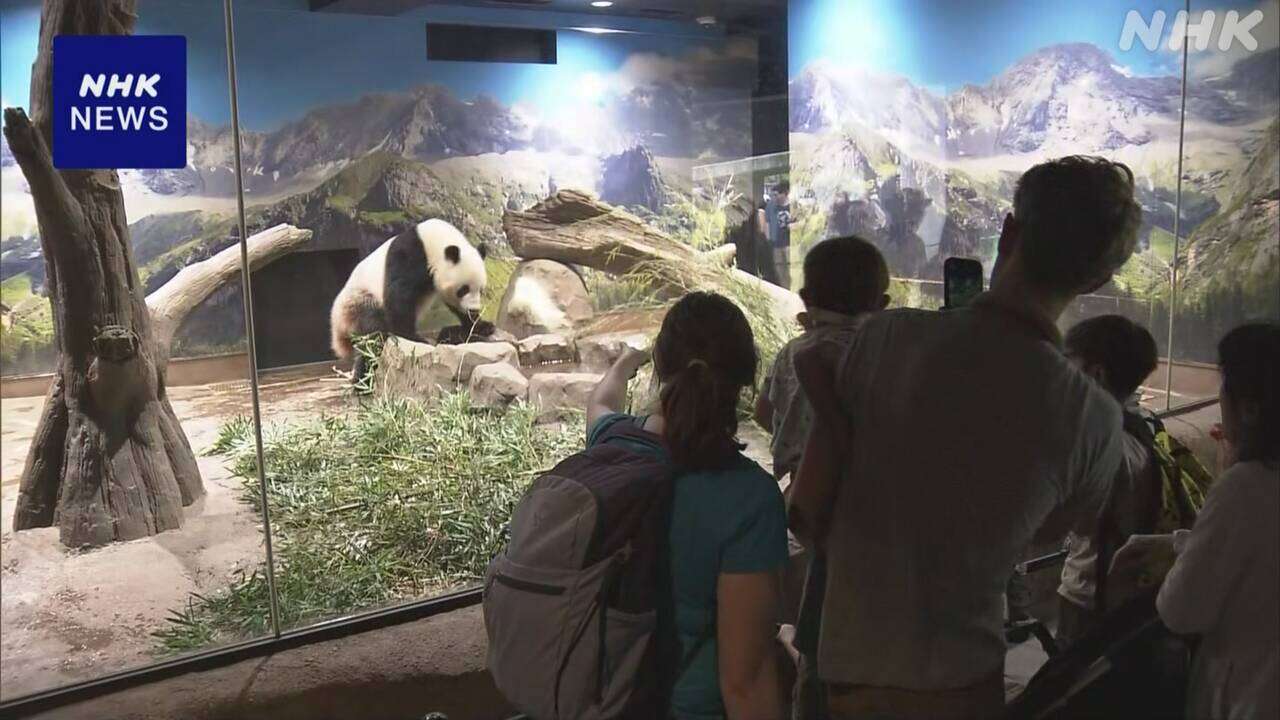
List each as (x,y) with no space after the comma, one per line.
(727,521)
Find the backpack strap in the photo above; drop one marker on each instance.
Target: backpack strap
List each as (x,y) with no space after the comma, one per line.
(630,428)
(1106,529)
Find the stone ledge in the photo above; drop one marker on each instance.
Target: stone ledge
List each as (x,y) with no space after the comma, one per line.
(405,671)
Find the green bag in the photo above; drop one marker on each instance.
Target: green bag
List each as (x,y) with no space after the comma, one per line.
(1186,480)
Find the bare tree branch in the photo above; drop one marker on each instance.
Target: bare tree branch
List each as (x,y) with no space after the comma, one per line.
(173,301)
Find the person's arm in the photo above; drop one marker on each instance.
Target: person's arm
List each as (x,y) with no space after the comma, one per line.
(817,375)
(745,615)
(764,412)
(813,487)
(610,394)
(1205,574)
(816,479)
(1102,459)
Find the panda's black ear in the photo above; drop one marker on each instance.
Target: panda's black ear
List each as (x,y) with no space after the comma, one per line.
(483,249)
(452,254)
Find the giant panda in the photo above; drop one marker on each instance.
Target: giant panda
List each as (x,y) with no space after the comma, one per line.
(388,289)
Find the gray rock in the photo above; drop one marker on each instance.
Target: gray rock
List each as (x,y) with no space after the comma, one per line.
(501,336)
(598,352)
(418,370)
(546,349)
(555,393)
(404,370)
(497,385)
(456,362)
(543,296)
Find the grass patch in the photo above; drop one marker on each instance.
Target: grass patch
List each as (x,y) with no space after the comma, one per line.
(382,217)
(341,202)
(369,347)
(499,271)
(15,290)
(399,500)
(1162,244)
(619,293)
(26,345)
(235,436)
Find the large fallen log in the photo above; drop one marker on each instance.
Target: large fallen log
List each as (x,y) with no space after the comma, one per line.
(173,301)
(573,227)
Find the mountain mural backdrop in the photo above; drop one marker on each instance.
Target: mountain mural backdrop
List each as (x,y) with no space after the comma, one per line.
(362,169)
(928,174)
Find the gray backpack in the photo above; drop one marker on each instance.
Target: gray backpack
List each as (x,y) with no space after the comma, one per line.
(572,604)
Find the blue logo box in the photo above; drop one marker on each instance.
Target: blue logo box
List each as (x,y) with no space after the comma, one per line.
(119,101)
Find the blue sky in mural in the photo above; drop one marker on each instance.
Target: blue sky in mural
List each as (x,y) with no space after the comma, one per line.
(944,44)
(292,61)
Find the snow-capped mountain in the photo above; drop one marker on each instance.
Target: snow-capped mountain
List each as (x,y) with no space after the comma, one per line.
(430,123)
(825,96)
(427,122)
(1063,98)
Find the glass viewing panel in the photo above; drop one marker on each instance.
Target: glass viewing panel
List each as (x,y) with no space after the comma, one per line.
(1229,243)
(96,591)
(394,484)
(399,426)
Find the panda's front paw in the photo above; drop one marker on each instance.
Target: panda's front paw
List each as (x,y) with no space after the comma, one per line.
(452,335)
(459,334)
(483,329)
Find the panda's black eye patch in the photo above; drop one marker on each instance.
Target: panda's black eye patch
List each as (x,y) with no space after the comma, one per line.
(464,291)
(452,254)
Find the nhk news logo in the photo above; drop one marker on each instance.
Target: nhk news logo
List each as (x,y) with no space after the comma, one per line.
(119,101)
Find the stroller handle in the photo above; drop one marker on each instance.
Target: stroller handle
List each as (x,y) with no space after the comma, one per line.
(1040,563)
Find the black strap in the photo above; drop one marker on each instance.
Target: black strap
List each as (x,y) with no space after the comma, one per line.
(1106,530)
(692,654)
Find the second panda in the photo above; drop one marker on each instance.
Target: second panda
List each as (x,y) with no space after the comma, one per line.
(389,288)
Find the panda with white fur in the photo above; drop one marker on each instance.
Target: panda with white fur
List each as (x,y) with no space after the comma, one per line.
(389,288)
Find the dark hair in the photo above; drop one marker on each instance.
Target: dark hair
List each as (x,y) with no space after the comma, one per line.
(1249,358)
(704,356)
(1122,347)
(1078,221)
(783,186)
(845,275)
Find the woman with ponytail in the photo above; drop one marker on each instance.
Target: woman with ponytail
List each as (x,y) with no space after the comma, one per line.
(728,525)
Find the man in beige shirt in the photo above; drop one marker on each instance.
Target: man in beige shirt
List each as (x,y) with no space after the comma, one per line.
(948,442)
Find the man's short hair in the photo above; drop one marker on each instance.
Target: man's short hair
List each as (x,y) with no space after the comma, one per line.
(783,186)
(845,275)
(1122,347)
(1078,221)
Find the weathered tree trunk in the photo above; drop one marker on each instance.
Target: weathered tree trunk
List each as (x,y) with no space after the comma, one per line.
(109,460)
(573,227)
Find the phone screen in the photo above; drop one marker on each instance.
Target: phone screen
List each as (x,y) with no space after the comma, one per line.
(962,281)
